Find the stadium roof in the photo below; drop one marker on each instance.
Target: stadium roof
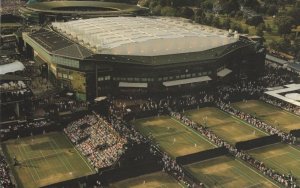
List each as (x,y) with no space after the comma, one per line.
(11,67)
(143,36)
(83,7)
(59,45)
(287,93)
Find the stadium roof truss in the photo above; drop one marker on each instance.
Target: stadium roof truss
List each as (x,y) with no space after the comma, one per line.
(144,36)
(288,93)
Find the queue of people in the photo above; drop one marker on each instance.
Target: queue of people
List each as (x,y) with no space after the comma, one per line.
(285,180)
(286,137)
(281,104)
(5,180)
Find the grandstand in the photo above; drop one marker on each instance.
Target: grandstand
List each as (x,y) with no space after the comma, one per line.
(119,54)
(280,118)
(227,172)
(173,137)
(47,11)
(142,102)
(44,160)
(231,129)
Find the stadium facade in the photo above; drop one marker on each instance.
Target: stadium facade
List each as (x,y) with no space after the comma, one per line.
(99,56)
(43,12)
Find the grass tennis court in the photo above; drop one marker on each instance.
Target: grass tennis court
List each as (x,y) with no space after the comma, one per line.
(155,180)
(270,114)
(224,125)
(45,159)
(173,137)
(281,157)
(225,171)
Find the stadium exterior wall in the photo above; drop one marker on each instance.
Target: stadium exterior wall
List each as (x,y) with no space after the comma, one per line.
(99,76)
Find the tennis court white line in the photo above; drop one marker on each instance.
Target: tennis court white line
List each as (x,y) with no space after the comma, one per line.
(58,156)
(92,170)
(63,156)
(197,133)
(249,125)
(252,180)
(294,148)
(21,154)
(256,172)
(243,121)
(254,185)
(264,146)
(44,157)
(30,161)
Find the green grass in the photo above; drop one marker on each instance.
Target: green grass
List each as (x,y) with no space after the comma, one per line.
(5,25)
(269,20)
(155,180)
(165,129)
(280,157)
(225,171)
(270,114)
(45,159)
(224,125)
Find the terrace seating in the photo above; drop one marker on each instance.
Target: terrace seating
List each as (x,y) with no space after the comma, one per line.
(98,141)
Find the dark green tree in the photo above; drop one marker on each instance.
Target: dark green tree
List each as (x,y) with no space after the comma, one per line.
(168,11)
(284,24)
(295,14)
(186,12)
(199,15)
(260,30)
(229,6)
(272,10)
(216,22)
(253,4)
(157,10)
(226,23)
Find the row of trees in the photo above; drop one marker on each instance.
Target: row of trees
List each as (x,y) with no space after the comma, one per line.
(204,12)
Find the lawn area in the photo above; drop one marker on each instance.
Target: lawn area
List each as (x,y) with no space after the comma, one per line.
(268,20)
(225,171)
(270,114)
(155,180)
(173,137)
(45,159)
(281,157)
(224,125)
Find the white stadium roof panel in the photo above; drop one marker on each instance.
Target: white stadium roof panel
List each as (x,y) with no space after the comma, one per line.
(145,36)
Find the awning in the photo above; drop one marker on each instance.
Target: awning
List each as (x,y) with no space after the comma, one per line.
(276,60)
(11,67)
(9,77)
(98,99)
(224,72)
(133,84)
(186,81)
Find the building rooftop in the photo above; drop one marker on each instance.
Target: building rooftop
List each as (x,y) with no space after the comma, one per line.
(143,36)
(60,45)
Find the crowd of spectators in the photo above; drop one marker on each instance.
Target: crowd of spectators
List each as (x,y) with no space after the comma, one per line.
(103,141)
(14,91)
(279,55)
(25,125)
(70,105)
(170,166)
(285,180)
(11,6)
(276,76)
(97,140)
(286,137)
(282,104)
(5,180)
